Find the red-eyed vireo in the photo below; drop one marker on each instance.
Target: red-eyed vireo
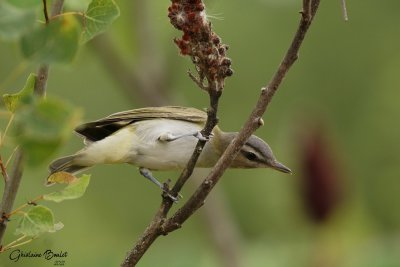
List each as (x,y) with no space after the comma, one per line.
(159,138)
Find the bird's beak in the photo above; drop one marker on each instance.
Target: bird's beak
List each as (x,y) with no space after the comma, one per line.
(280,167)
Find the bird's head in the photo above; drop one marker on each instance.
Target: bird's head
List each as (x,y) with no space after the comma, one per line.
(254,154)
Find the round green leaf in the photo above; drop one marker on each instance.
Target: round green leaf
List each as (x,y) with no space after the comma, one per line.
(36,221)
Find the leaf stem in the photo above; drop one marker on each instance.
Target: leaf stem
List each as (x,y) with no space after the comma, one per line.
(72,13)
(17,210)
(15,243)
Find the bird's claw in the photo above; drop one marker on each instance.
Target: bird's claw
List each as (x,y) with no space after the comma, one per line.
(166,192)
(201,137)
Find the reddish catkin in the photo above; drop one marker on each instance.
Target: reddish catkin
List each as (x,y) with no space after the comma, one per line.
(199,41)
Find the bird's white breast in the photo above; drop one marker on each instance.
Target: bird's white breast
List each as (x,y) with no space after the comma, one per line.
(149,152)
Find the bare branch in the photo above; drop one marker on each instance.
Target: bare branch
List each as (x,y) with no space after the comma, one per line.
(10,191)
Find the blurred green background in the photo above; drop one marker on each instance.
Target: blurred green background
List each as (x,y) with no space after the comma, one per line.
(333,121)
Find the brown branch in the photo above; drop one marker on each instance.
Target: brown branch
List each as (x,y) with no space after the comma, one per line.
(161,225)
(10,192)
(12,185)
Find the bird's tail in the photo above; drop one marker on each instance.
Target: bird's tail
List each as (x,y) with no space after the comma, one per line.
(66,164)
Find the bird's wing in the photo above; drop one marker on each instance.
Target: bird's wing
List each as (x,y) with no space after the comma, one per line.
(99,129)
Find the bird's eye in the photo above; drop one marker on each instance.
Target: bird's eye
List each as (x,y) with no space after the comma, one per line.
(250,156)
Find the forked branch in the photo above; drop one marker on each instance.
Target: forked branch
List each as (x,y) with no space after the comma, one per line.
(161,225)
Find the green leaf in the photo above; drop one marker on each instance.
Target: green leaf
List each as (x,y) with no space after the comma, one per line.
(99,15)
(36,221)
(56,42)
(74,190)
(12,101)
(42,127)
(15,22)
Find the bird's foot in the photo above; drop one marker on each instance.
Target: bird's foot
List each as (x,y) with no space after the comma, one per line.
(166,192)
(164,187)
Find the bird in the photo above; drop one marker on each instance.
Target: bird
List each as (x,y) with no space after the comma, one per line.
(157,139)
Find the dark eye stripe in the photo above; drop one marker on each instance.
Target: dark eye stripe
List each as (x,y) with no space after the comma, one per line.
(252,156)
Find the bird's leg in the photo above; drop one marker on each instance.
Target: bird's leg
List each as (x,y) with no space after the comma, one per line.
(147,174)
(168,137)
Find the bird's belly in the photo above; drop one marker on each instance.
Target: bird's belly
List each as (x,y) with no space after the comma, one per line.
(165,155)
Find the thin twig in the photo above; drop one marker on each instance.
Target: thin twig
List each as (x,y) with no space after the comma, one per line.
(23,206)
(46,14)
(17,243)
(11,244)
